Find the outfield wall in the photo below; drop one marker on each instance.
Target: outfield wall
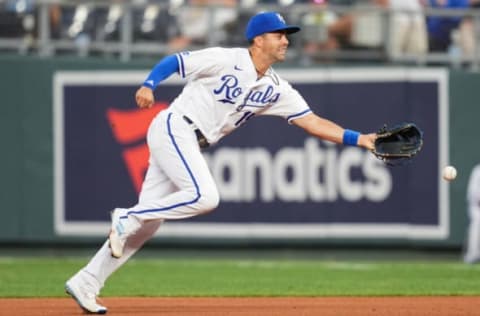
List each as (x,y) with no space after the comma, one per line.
(70,157)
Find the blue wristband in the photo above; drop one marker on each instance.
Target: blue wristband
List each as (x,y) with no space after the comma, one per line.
(350,137)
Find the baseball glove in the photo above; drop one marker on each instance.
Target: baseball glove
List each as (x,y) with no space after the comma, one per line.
(398,145)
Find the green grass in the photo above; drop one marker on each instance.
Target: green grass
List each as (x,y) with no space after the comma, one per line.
(45,277)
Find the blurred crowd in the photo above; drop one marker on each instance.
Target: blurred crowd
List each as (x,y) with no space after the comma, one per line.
(179,23)
(400,27)
(408,29)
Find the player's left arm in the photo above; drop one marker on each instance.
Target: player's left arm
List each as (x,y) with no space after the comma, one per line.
(164,69)
(328,130)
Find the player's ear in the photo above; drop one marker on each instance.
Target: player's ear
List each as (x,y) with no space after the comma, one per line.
(258,40)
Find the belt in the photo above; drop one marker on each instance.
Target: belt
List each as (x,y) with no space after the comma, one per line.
(202,140)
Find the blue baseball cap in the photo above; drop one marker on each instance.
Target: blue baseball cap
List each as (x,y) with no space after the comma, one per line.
(267,22)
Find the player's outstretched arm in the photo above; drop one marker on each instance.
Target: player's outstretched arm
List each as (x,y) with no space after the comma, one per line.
(328,130)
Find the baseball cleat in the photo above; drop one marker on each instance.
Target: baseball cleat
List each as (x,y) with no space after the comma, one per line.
(85,297)
(118,234)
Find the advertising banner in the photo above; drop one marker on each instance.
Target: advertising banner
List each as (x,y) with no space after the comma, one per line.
(275,180)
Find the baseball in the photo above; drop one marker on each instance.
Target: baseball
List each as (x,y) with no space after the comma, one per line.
(449,173)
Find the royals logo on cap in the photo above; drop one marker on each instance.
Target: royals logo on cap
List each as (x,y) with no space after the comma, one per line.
(280,17)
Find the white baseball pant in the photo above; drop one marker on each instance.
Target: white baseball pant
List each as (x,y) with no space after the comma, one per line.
(178,184)
(472,253)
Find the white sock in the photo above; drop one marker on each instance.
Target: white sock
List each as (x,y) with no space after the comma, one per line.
(102,265)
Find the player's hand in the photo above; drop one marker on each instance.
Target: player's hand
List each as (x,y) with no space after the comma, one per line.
(367,141)
(144,97)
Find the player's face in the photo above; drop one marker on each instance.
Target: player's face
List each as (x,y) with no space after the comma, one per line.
(275,45)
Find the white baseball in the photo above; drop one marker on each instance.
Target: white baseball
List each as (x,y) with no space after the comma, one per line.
(449,173)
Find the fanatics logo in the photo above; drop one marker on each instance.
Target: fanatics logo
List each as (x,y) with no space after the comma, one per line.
(129,128)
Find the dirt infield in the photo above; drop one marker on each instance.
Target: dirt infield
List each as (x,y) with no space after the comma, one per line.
(285,306)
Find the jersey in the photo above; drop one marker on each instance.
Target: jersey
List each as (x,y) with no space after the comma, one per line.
(223,91)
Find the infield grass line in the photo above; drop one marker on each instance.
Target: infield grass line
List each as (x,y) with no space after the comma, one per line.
(45,277)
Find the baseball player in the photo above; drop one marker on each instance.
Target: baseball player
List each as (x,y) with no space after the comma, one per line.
(225,87)
(472,254)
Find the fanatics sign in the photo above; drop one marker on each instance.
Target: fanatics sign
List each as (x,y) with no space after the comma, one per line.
(275,181)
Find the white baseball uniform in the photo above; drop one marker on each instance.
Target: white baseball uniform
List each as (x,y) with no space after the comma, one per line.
(472,253)
(223,91)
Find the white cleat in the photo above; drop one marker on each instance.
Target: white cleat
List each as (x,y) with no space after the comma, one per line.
(85,295)
(118,234)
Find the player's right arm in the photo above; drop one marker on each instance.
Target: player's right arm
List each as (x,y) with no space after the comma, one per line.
(164,69)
